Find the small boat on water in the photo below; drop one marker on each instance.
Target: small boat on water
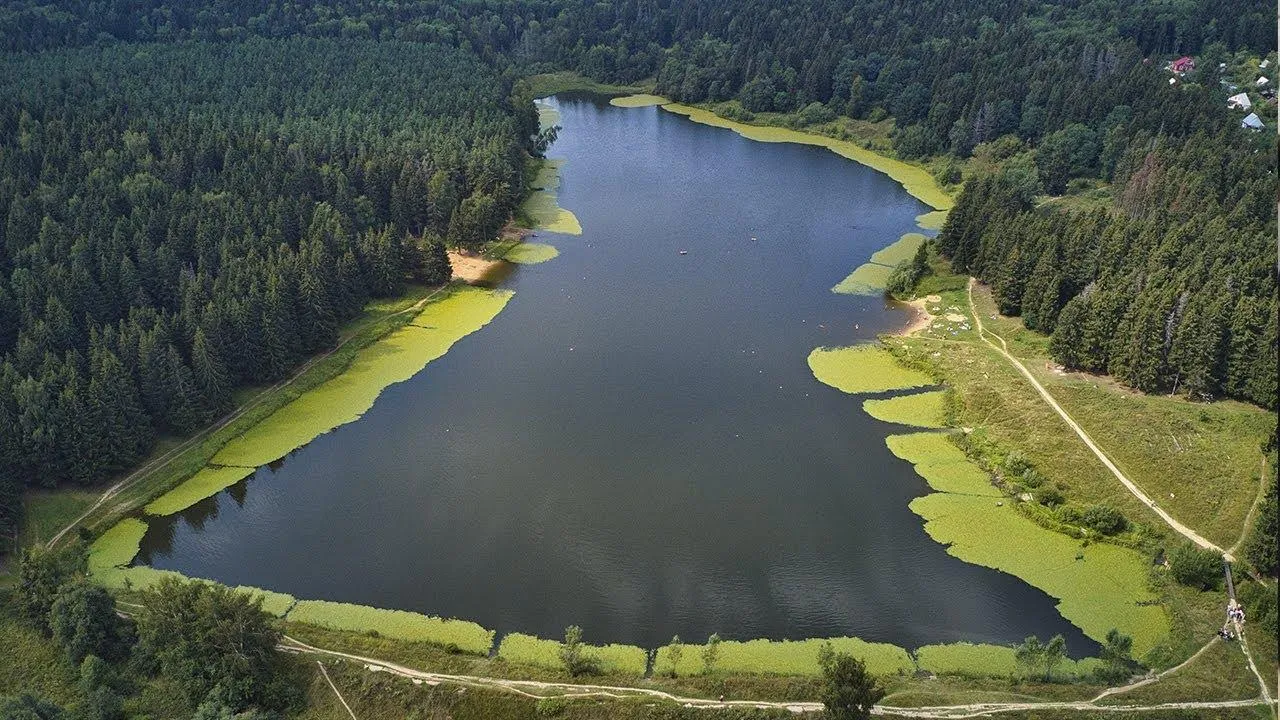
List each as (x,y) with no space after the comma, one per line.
(684,252)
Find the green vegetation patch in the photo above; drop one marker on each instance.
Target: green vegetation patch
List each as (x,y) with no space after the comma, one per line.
(208,482)
(942,464)
(921,409)
(548,116)
(462,634)
(527,253)
(1099,587)
(931,220)
(866,279)
(917,181)
(638,100)
(977,661)
(345,398)
(530,650)
(967,659)
(543,204)
(117,547)
(785,657)
(273,603)
(902,249)
(863,369)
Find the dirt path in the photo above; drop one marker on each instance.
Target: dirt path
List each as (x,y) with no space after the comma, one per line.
(537,689)
(1133,488)
(334,688)
(158,463)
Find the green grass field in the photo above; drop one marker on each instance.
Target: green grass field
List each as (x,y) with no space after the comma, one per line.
(466,636)
(530,650)
(1221,673)
(977,661)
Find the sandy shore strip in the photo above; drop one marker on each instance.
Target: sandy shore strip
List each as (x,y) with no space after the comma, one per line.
(923,318)
(472,267)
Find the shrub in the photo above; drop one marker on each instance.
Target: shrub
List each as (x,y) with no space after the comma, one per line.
(1195,566)
(1105,519)
(815,113)
(1050,497)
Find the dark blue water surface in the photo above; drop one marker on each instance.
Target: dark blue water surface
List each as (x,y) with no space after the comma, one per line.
(636,443)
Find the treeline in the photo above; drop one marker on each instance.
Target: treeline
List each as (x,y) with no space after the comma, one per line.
(181,220)
(209,650)
(1171,289)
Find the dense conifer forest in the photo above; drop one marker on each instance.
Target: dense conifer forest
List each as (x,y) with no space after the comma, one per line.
(194,197)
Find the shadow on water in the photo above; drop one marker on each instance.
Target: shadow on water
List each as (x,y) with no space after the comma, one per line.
(636,444)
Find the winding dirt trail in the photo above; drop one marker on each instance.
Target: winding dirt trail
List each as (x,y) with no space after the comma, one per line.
(158,463)
(1131,486)
(537,689)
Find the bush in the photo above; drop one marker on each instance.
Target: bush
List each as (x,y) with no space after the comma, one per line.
(1050,497)
(1032,478)
(816,113)
(1105,519)
(1196,567)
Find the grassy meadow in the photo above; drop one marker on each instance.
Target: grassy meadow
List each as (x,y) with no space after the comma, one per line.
(783,657)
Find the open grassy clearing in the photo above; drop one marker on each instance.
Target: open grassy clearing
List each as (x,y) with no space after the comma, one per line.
(638,100)
(784,657)
(1200,461)
(1221,673)
(613,659)
(45,512)
(208,482)
(917,181)
(863,369)
(527,253)
(464,635)
(345,398)
(924,409)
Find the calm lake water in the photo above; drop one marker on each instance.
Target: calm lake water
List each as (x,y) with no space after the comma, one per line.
(636,444)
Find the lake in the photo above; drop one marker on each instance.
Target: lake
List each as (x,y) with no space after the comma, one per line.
(636,444)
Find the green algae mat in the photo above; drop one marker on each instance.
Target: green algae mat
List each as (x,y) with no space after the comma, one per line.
(943,465)
(872,277)
(785,657)
(467,636)
(916,180)
(920,410)
(863,369)
(206,483)
(1098,587)
(345,398)
(527,253)
(613,659)
(543,204)
(638,100)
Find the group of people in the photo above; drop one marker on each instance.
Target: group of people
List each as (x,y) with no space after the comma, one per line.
(1235,613)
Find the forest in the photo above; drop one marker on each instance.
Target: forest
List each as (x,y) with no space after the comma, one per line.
(194,197)
(184,220)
